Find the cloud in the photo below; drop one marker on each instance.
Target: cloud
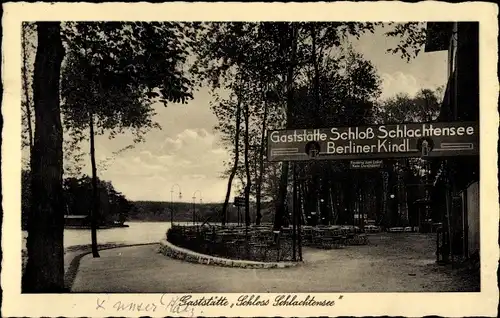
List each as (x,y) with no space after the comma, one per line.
(399,82)
(170,145)
(195,177)
(191,158)
(184,151)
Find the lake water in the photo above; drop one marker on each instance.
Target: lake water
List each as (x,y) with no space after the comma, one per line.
(136,233)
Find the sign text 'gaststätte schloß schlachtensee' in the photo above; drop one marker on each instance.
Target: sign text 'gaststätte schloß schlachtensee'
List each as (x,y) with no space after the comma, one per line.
(381,141)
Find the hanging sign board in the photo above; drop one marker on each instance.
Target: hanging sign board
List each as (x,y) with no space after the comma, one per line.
(375,142)
(239,201)
(366,164)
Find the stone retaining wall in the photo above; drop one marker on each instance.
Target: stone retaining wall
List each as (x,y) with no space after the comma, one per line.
(173,251)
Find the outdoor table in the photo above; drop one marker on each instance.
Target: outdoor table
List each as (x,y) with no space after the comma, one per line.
(263,237)
(227,237)
(267,231)
(334,227)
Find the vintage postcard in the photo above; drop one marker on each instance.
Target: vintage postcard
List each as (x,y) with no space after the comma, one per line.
(230,159)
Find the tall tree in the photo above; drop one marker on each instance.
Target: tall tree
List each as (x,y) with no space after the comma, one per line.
(247,48)
(268,97)
(248,183)
(45,267)
(236,152)
(402,108)
(27,34)
(313,42)
(109,81)
(292,32)
(265,52)
(159,75)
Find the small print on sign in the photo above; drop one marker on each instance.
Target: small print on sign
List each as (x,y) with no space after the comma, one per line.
(366,164)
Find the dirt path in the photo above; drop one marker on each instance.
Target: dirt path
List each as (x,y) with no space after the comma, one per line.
(391,263)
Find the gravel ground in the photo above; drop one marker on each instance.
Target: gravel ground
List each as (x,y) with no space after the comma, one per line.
(398,262)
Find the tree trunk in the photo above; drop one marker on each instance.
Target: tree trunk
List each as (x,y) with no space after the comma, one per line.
(280,204)
(26,86)
(94,212)
(315,62)
(247,166)
(45,267)
(325,194)
(282,191)
(319,183)
(261,162)
(348,188)
(236,159)
(302,202)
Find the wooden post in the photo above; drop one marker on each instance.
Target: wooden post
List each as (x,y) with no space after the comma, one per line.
(448,211)
(238,211)
(294,218)
(297,213)
(465,220)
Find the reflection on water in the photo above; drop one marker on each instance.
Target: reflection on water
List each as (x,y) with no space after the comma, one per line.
(136,233)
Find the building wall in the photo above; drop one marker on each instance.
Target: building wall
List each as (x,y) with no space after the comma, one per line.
(467,71)
(461,103)
(461,100)
(473,217)
(452,50)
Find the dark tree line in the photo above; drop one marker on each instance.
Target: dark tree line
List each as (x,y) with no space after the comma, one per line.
(76,193)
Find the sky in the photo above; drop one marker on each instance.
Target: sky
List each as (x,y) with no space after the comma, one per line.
(187,151)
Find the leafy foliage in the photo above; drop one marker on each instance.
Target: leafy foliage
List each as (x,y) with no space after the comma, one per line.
(403,108)
(116,70)
(349,87)
(412,36)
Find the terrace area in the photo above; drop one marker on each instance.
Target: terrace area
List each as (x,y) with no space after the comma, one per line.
(261,243)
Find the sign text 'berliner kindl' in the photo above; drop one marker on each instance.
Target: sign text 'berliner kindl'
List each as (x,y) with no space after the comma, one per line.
(381,141)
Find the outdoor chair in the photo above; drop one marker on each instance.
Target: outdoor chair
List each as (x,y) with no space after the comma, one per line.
(317,238)
(329,242)
(363,239)
(231,249)
(307,236)
(260,250)
(349,238)
(359,239)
